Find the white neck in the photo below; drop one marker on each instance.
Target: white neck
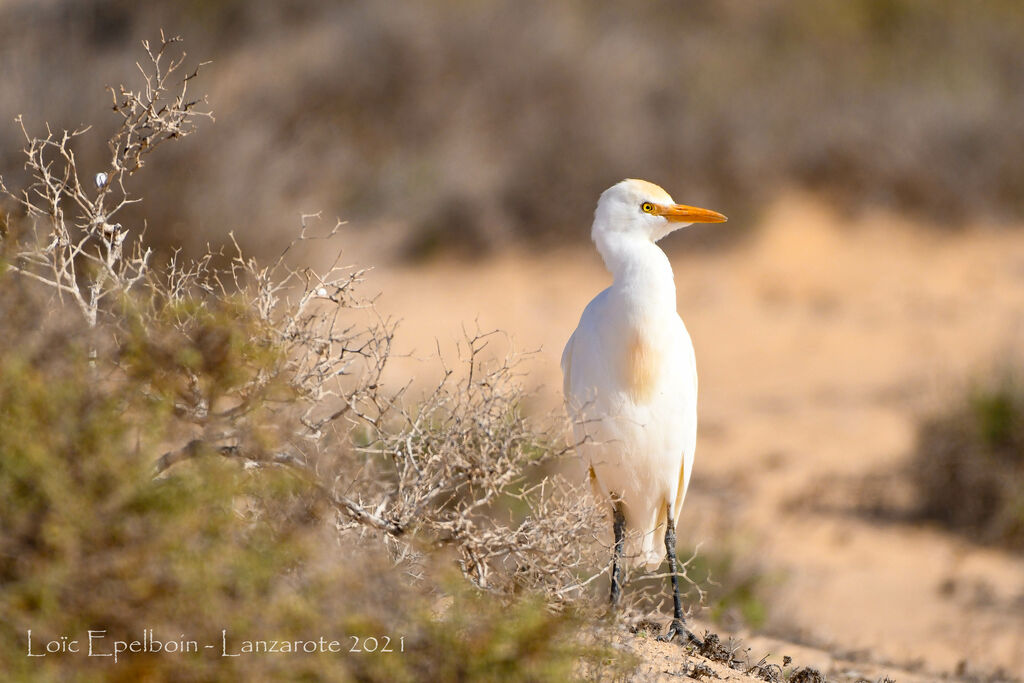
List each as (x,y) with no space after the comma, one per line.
(640,268)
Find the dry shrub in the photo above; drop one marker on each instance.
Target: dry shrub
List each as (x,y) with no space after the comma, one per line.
(968,464)
(89,539)
(208,444)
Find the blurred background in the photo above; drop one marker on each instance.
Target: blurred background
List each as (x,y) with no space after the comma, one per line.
(468,125)
(860,473)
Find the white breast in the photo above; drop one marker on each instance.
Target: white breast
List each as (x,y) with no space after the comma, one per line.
(630,385)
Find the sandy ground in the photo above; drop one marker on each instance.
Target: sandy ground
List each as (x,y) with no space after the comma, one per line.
(820,342)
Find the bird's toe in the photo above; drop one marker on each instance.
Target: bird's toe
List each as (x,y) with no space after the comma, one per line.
(678,630)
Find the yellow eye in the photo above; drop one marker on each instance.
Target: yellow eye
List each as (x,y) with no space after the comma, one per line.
(647,207)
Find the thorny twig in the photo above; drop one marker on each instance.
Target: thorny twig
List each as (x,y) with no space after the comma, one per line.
(76,247)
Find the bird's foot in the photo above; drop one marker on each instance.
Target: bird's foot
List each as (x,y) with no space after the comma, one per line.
(678,629)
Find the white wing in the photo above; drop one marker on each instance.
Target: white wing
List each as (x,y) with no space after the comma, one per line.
(639,449)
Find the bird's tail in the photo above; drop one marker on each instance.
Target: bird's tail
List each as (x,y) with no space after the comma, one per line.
(645,526)
(647,549)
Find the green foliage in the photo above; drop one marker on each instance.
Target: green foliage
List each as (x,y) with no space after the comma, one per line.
(968,465)
(734,591)
(91,540)
(215,352)
(489,641)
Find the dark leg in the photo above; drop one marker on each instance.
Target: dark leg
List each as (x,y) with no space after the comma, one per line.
(619,526)
(678,627)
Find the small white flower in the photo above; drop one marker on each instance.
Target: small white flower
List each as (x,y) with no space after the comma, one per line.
(101,179)
(321,292)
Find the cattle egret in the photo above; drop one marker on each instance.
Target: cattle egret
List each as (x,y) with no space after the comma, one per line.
(630,380)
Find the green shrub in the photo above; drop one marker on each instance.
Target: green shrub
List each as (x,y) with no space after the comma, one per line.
(734,590)
(968,464)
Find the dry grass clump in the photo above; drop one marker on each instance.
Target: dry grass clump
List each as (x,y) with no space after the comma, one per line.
(208,444)
(968,465)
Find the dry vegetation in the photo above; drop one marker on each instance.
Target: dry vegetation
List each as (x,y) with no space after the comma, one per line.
(196,447)
(469,124)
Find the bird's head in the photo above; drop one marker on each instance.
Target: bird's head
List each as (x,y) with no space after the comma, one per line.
(637,208)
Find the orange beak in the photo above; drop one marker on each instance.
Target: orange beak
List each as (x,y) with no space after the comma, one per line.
(681,213)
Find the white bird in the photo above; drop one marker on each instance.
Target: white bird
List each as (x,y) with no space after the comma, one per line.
(630,380)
